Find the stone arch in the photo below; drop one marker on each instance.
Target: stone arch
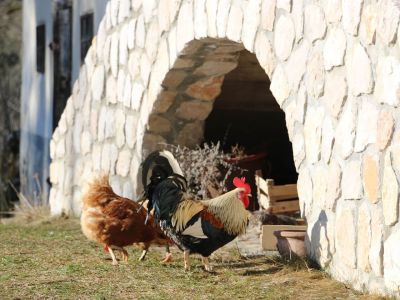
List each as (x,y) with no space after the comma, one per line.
(333,71)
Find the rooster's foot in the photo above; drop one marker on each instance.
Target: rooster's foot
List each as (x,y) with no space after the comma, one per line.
(167,258)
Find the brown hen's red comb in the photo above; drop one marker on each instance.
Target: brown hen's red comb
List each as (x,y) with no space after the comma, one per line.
(241,183)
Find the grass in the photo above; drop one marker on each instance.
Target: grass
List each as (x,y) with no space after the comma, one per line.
(53,260)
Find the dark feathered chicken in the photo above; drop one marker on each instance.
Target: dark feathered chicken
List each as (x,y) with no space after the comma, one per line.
(195,226)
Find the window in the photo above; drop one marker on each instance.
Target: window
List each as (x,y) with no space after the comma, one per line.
(86,34)
(40,48)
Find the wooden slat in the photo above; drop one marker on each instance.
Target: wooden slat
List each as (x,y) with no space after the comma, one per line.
(284,206)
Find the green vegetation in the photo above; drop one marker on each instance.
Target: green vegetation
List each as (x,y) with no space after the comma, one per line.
(52,259)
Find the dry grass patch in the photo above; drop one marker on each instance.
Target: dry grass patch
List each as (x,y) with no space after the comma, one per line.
(53,260)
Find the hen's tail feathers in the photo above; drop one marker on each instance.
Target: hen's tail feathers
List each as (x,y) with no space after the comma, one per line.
(99,192)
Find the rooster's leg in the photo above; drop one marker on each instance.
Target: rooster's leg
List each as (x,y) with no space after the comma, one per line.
(186,259)
(114,260)
(206,264)
(143,255)
(168,255)
(123,252)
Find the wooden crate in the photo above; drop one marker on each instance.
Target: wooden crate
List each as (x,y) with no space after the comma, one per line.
(277,199)
(267,237)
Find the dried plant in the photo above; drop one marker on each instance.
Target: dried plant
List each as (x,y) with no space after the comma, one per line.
(206,169)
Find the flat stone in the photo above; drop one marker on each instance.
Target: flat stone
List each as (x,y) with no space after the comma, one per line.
(265,53)
(320,184)
(298,18)
(152,37)
(335,91)
(145,69)
(371,177)
(359,72)
(333,10)
(127,190)
(136,4)
(296,65)
(123,163)
(377,233)
(191,135)
(211,10)
(173,53)
(126,96)
(134,63)
(159,71)
(334,48)
(60,149)
(304,189)
(111,90)
(105,158)
(388,21)
(301,102)
(185,29)
(70,113)
(96,157)
(107,53)
(363,238)
(131,33)
(210,68)
(235,23)
(386,128)
(284,37)
(120,128)
(194,110)
(390,191)
(137,95)
(174,78)
(152,142)
(388,80)
(315,24)
(121,85)
(285,5)
(312,134)
(334,190)
(251,21)
(200,19)
(114,6)
(130,130)
(279,85)
(94,117)
(351,15)
(110,123)
(352,182)
(328,135)
(268,14)
(315,76)
(114,54)
(102,124)
(366,126)
(206,89)
(163,15)
(345,236)
(148,7)
(97,84)
(369,23)
(298,150)
(184,63)
(101,40)
(123,45)
(222,17)
(77,130)
(345,131)
(86,142)
(113,158)
(173,8)
(164,101)
(391,261)
(158,124)
(140,37)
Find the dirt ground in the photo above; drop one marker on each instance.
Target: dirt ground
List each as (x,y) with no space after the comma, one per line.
(53,260)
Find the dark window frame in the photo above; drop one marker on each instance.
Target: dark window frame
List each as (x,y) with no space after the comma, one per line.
(87,33)
(41,48)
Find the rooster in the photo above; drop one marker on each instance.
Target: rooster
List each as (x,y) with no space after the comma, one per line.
(195,226)
(116,222)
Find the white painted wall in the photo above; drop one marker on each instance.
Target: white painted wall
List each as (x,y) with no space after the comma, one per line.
(36,97)
(98,8)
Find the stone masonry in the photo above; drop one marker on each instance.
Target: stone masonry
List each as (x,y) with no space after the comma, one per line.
(156,66)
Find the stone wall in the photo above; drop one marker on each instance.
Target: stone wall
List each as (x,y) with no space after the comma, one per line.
(155,68)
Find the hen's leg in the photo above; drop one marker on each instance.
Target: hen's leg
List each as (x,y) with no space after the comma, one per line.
(143,255)
(186,260)
(123,252)
(114,260)
(206,264)
(168,255)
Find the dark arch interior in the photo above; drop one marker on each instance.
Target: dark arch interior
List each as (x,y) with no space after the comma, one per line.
(246,113)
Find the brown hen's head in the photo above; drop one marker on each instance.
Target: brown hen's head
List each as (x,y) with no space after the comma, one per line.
(246,190)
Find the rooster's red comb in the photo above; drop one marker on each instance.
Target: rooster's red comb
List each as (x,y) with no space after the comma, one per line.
(241,183)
